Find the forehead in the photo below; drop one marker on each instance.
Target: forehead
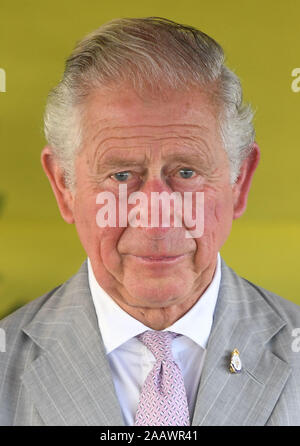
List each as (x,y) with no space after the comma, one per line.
(122,119)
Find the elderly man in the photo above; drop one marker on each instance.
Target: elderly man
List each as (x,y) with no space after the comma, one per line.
(154,329)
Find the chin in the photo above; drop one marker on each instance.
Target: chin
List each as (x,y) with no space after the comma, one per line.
(155,294)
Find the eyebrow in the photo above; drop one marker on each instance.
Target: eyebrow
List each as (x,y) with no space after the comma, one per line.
(187,158)
(190,159)
(120,157)
(116,162)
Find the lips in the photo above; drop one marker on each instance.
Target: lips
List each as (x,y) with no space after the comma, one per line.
(159,259)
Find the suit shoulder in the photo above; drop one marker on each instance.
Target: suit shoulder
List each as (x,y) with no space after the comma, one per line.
(47,308)
(286,309)
(250,292)
(16,353)
(16,345)
(23,315)
(286,344)
(20,347)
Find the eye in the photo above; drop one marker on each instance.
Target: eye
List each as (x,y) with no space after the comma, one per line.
(121,176)
(186,173)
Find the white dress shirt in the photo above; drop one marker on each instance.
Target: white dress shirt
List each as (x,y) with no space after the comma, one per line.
(131,361)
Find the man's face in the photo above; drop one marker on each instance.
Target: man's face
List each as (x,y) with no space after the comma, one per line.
(171,145)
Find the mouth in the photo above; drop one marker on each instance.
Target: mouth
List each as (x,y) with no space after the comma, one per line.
(153,259)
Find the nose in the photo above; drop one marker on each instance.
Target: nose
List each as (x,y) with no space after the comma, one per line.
(160,205)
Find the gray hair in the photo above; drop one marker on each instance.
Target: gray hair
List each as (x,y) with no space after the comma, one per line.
(152,54)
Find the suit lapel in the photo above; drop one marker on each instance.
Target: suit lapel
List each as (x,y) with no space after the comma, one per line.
(70,382)
(243,320)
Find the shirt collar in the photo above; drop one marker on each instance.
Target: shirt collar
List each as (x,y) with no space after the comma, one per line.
(195,324)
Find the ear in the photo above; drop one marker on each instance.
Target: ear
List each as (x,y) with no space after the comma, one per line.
(55,174)
(242,186)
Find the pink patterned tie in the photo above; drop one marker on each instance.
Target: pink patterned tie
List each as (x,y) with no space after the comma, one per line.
(163,399)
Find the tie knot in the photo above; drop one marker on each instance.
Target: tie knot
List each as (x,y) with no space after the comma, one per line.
(159,343)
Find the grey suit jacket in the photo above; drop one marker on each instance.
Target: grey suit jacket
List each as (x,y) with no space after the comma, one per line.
(55,371)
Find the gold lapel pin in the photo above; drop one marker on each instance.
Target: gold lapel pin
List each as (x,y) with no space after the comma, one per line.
(235,362)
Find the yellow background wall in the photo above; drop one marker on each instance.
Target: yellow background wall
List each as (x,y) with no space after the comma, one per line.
(261,39)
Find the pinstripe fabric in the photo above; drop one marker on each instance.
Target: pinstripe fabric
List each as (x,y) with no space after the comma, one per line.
(55,371)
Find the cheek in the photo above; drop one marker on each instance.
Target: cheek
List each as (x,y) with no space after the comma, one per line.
(106,252)
(85,219)
(218,216)
(98,242)
(218,213)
